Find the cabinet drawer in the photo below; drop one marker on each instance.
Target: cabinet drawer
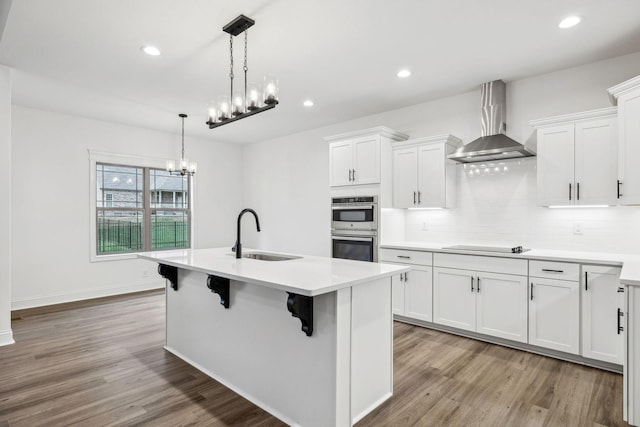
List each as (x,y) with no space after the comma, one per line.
(554,270)
(481,263)
(405,256)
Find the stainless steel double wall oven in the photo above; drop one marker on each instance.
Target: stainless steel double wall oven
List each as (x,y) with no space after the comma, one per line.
(354,228)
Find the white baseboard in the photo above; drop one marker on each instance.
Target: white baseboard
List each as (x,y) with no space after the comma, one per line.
(40,301)
(6,337)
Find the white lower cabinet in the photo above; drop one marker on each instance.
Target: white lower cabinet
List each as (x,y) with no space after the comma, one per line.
(502,306)
(489,303)
(554,314)
(454,300)
(562,306)
(412,293)
(602,312)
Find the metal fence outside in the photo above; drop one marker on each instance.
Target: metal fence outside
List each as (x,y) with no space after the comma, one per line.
(128,236)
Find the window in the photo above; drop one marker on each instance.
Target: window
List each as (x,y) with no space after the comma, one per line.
(140,208)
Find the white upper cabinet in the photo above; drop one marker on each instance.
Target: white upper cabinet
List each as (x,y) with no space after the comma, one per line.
(355,157)
(627,96)
(405,176)
(341,160)
(422,175)
(555,165)
(577,159)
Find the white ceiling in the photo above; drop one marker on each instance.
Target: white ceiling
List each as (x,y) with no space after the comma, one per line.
(83,56)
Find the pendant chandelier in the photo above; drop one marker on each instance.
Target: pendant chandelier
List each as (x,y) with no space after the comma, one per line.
(238,105)
(184,166)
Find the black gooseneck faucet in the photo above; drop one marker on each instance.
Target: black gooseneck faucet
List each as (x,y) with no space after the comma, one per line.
(238,246)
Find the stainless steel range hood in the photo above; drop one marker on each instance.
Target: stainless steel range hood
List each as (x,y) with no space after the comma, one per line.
(493,144)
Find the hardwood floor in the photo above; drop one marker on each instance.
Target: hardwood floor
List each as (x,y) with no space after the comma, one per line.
(101,363)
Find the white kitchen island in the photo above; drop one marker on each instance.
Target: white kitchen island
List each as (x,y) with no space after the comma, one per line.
(309,340)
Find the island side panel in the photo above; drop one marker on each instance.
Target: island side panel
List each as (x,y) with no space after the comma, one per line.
(371,346)
(256,348)
(632,367)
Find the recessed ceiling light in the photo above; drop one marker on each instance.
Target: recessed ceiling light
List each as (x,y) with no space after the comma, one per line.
(404,73)
(308,103)
(150,50)
(569,21)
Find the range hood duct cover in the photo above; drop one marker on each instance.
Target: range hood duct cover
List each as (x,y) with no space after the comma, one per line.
(493,144)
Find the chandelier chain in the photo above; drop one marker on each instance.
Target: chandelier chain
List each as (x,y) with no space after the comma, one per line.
(182,158)
(245,51)
(245,68)
(231,63)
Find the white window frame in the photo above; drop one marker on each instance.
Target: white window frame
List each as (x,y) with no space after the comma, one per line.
(96,157)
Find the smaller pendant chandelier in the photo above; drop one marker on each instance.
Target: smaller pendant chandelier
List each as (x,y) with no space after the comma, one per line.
(254,100)
(184,166)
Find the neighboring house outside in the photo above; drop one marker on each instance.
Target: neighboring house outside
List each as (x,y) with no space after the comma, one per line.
(125,190)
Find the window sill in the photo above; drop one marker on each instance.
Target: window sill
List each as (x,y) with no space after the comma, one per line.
(114,257)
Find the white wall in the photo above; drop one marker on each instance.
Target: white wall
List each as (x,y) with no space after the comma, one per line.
(6,335)
(282,179)
(301,223)
(50,203)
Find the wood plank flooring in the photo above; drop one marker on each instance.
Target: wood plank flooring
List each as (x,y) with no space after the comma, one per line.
(101,363)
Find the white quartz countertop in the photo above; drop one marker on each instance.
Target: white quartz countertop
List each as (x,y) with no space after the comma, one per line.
(630,263)
(307,275)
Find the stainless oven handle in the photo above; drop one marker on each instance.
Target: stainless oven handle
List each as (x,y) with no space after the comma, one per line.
(351,208)
(354,239)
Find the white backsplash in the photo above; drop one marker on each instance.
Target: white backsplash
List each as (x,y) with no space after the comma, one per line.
(497,206)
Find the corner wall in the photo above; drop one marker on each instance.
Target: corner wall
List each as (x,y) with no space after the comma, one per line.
(50,204)
(6,335)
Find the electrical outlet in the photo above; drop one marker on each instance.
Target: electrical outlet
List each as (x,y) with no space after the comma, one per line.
(145,273)
(577,228)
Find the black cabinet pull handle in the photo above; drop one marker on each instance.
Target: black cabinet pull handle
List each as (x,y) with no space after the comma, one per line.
(620,327)
(471,283)
(569,191)
(354,174)
(349,175)
(478,284)
(586,281)
(531,291)
(618,189)
(578,191)
(549,270)
(414,197)
(404,256)
(620,289)
(419,201)
(401,279)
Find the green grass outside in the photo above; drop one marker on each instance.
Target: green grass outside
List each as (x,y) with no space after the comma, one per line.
(123,235)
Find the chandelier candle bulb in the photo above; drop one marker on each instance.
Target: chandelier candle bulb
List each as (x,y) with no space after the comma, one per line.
(224,109)
(212,113)
(238,104)
(270,90)
(253,95)
(171,166)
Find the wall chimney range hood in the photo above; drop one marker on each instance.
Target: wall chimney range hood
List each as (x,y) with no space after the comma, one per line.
(493,144)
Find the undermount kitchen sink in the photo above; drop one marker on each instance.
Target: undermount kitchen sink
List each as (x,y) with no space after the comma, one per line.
(264,256)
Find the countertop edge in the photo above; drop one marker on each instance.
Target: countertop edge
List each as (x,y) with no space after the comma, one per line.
(280,286)
(630,274)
